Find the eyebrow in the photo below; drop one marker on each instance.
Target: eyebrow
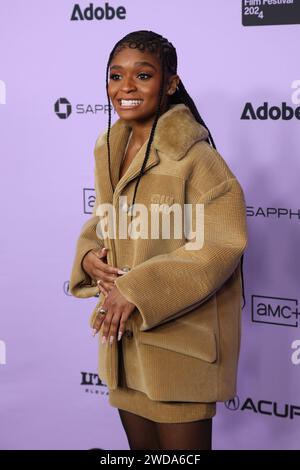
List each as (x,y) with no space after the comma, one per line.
(142,62)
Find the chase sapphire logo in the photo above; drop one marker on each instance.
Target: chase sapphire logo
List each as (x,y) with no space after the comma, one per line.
(233,404)
(62,108)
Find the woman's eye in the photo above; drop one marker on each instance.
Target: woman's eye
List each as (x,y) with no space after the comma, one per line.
(144,74)
(113,75)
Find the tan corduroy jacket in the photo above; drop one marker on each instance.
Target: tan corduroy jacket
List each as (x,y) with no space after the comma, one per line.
(182,340)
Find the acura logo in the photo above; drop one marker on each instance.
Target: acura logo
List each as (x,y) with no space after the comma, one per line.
(233,404)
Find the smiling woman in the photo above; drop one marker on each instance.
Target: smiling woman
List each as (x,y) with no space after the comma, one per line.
(134,86)
(171,311)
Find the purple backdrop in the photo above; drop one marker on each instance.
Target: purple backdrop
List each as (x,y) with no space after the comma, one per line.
(49,394)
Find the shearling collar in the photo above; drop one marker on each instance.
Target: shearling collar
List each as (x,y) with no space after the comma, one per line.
(176,131)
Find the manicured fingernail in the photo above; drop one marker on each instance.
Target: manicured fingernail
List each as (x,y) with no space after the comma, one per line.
(120,335)
(121,272)
(111,339)
(94,332)
(103,339)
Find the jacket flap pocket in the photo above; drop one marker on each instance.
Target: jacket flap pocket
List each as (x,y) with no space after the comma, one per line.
(184,338)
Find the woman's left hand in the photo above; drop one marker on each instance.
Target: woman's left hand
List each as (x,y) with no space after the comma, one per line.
(118,311)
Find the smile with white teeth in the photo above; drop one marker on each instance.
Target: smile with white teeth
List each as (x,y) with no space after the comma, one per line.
(130,103)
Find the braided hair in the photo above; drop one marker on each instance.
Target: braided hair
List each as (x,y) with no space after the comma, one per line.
(166,52)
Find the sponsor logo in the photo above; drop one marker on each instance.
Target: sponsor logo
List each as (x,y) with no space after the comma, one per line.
(265,407)
(92,383)
(265,111)
(270,12)
(275,310)
(90,13)
(89,199)
(275,112)
(233,403)
(273,212)
(63,108)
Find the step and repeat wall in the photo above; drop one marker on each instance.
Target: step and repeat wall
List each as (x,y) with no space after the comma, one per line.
(239,62)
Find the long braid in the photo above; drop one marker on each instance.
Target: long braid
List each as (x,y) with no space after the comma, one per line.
(149,141)
(109,114)
(155,43)
(184,97)
(188,101)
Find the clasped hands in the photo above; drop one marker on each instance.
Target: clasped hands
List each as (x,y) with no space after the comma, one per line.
(118,308)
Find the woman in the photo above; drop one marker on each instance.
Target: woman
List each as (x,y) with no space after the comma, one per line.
(169,309)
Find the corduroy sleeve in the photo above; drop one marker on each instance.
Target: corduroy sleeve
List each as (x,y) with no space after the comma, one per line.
(81,284)
(169,285)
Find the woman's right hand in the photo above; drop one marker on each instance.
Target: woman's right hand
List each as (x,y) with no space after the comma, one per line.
(95,265)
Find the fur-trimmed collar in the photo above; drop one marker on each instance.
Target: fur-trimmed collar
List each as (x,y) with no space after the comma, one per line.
(176,131)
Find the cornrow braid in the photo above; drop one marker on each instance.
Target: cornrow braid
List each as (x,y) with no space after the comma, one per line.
(157,44)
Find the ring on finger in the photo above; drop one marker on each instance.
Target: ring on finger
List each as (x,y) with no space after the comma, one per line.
(102,310)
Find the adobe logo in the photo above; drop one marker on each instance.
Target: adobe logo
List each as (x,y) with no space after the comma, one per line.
(90,13)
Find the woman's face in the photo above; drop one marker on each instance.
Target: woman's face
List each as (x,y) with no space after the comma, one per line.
(134,83)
